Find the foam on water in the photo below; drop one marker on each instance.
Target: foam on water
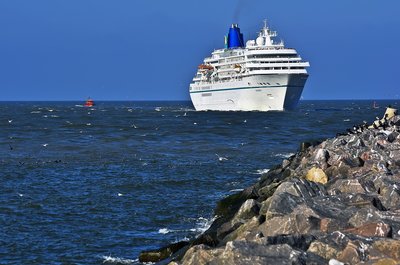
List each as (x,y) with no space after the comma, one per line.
(284,155)
(236,190)
(203,224)
(117,260)
(262,171)
(164,231)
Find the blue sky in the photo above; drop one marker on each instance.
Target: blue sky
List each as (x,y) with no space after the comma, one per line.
(149,50)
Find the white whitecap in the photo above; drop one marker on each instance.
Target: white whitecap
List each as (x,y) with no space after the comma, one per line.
(116,260)
(346,120)
(163,231)
(284,155)
(203,224)
(236,190)
(262,171)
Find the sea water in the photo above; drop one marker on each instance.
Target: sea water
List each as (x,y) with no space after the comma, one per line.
(98,185)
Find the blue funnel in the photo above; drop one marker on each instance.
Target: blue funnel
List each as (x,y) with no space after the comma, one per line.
(235,38)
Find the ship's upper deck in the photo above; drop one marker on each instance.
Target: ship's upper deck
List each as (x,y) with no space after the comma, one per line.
(260,56)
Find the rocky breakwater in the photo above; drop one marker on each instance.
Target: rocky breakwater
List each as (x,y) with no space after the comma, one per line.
(336,202)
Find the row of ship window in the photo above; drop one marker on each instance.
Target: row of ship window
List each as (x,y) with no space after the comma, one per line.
(256,57)
(268,68)
(263,62)
(276,68)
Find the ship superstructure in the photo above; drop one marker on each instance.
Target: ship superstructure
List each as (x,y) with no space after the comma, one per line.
(261,75)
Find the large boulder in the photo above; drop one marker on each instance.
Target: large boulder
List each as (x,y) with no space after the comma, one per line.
(253,253)
(379,229)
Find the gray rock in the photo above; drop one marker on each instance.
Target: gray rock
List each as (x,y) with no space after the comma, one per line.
(300,242)
(388,187)
(363,216)
(281,204)
(252,253)
(246,231)
(248,209)
(162,253)
(267,191)
(295,223)
(200,255)
(301,188)
(346,186)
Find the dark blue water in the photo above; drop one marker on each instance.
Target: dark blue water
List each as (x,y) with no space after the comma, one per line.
(87,186)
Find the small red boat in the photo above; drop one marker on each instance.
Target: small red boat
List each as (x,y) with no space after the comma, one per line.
(89,103)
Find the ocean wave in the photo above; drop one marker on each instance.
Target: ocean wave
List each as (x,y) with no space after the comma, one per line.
(203,224)
(167,231)
(284,155)
(183,110)
(179,240)
(116,260)
(236,190)
(262,171)
(164,231)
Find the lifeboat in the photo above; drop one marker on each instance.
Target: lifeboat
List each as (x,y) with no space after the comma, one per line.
(89,103)
(205,67)
(238,68)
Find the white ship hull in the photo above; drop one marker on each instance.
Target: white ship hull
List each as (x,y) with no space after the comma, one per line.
(254,93)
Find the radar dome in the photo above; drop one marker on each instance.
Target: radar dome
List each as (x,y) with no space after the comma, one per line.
(250,43)
(260,41)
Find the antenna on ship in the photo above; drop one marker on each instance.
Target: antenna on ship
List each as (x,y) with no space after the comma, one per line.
(265,23)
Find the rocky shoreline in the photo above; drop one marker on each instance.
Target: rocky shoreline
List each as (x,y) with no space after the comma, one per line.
(334,202)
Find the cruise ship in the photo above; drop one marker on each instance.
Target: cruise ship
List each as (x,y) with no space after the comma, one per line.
(261,75)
